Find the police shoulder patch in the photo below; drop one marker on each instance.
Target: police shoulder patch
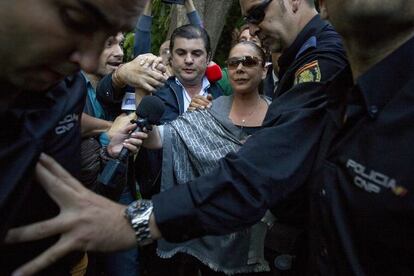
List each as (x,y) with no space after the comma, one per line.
(309,72)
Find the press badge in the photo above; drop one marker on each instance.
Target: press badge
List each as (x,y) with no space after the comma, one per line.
(128,102)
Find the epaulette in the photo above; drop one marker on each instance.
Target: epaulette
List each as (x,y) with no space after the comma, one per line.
(310,43)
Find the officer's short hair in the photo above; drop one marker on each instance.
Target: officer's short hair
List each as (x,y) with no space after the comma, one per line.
(191,31)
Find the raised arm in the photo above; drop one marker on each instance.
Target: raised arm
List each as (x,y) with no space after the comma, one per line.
(142,40)
(111,88)
(192,14)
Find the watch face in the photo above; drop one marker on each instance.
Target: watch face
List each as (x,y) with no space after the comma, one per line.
(137,207)
(138,214)
(132,210)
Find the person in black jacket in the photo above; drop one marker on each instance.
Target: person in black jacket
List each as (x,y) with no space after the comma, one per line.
(190,54)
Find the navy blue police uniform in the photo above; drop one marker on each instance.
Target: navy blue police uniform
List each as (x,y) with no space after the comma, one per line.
(361,198)
(37,123)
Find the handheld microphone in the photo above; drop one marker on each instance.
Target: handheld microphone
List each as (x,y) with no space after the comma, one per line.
(149,113)
(213,72)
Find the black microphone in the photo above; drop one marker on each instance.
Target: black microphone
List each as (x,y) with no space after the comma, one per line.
(149,112)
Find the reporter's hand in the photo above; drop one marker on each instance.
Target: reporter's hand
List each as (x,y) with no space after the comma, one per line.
(145,71)
(120,140)
(120,122)
(200,102)
(86,222)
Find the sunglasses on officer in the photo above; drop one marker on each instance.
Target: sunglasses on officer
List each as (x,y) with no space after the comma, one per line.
(258,13)
(246,61)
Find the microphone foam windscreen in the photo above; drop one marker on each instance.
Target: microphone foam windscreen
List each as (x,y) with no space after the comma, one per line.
(151,108)
(213,73)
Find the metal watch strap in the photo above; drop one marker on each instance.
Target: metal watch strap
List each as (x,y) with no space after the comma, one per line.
(138,214)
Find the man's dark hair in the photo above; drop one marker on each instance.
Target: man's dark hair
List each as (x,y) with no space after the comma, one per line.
(190,31)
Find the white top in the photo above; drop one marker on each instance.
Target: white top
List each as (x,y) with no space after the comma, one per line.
(203,92)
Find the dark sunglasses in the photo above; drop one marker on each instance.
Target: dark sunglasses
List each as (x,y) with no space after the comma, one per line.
(257,14)
(246,61)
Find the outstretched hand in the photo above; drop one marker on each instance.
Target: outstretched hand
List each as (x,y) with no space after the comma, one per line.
(145,72)
(86,222)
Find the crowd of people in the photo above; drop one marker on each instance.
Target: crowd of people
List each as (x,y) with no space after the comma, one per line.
(295,162)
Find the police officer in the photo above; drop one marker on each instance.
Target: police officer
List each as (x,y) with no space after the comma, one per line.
(311,49)
(312,54)
(360,205)
(361,200)
(40,111)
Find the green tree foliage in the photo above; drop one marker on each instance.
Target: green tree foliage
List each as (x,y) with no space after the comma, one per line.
(234,19)
(129,46)
(160,24)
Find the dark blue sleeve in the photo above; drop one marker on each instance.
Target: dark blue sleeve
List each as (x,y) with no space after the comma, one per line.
(272,165)
(142,40)
(172,109)
(194,18)
(215,91)
(108,97)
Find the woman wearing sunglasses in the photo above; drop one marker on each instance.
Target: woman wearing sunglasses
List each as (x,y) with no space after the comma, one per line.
(246,69)
(238,35)
(192,145)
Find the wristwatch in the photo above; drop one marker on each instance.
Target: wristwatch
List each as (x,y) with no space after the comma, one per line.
(138,214)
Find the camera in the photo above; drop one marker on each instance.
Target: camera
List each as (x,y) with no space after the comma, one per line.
(177,2)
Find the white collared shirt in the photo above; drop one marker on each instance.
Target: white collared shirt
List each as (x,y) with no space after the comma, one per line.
(203,92)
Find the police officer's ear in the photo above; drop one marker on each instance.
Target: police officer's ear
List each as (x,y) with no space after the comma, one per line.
(295,5)
(323,11)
